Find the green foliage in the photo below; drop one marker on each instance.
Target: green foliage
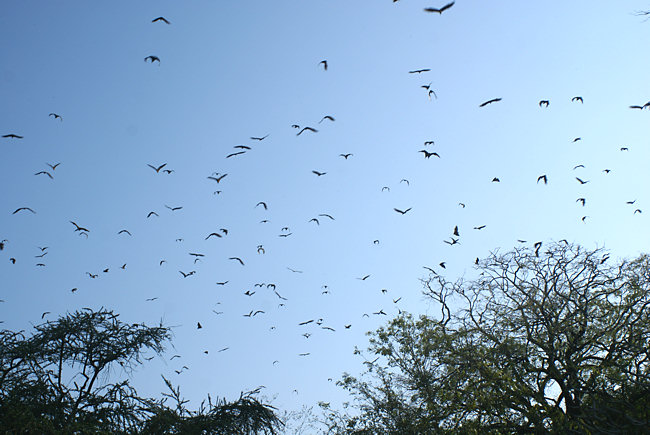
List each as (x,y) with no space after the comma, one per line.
(553,342)
(55,382)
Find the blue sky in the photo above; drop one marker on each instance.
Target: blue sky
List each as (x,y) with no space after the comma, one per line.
(230,71)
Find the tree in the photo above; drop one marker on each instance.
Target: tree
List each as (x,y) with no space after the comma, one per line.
(552,342)
(55,381)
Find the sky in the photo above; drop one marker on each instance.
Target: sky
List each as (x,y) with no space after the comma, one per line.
(231,71)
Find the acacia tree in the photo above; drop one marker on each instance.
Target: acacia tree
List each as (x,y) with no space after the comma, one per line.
(55,381)
(541,342)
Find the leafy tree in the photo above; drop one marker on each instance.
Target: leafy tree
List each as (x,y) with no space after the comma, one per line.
(541,342)
(55,381)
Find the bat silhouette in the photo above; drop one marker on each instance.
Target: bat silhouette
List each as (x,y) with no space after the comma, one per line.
(313,130)
(157,169)
(45,173)
(238,259)
(493,100)
(155,20)
(441,10)
(78,228)
(218,179)
(427,154)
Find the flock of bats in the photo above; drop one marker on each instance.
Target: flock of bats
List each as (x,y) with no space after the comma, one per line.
(220,178)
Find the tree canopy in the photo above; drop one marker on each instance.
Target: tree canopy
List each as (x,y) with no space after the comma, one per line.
(56,381)
(542,341)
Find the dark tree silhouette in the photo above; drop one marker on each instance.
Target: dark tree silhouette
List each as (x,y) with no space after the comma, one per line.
(555,343)
(56,381)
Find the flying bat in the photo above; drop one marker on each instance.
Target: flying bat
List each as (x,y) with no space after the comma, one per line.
(157,169)
(217,179)
(45,173)
(237,259)
(441,10)
(427,154)
(402,212)
(493,100)
(78,228)
(313,130)
(162,19)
